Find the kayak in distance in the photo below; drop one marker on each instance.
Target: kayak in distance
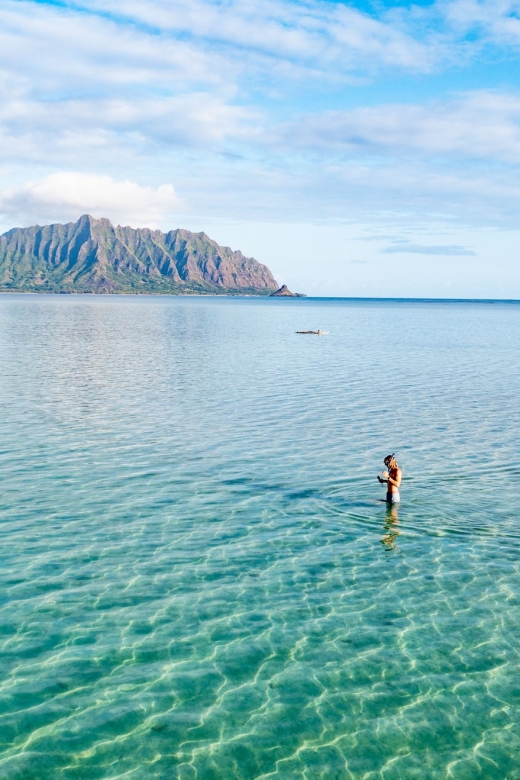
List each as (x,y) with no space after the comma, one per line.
(313,332)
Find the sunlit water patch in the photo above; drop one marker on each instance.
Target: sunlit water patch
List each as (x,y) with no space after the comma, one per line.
(199,578)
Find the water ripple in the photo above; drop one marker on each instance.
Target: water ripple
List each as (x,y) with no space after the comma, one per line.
(199,579)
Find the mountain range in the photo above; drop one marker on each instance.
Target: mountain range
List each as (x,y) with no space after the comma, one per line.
(92,255)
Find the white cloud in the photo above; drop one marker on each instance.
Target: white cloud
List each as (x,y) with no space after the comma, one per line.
(169,47)
(49,130)
(64,196)
(495,21)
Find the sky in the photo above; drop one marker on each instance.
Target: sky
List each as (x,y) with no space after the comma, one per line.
(367,148)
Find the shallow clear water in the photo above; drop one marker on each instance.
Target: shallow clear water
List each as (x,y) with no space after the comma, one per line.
(198,578)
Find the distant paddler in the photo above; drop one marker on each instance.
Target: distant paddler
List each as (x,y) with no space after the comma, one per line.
(392,479)
(312,332)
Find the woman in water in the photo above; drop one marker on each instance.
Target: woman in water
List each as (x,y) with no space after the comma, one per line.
(392,479)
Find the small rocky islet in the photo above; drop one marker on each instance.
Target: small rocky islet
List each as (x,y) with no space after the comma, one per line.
(284,292)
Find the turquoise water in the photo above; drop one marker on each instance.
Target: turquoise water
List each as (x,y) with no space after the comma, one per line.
(198,578)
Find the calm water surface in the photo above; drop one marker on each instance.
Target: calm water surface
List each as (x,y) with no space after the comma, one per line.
(198,576)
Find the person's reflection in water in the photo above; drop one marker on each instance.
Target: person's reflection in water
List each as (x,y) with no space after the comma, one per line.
(391,527)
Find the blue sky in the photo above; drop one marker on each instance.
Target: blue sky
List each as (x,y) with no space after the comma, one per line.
(368,148)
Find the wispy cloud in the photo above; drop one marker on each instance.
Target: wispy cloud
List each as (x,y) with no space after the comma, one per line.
(101,53)
(483,124)
(313,33)
(449,250)
(496,21)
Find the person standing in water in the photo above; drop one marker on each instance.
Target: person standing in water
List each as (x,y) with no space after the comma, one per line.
(392,479)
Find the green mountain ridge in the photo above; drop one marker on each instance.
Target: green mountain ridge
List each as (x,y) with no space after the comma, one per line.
(92,255)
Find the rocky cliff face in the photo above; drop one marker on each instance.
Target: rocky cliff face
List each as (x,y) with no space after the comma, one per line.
(92,255)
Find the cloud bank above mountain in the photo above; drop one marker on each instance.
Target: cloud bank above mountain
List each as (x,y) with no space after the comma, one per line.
(62,195)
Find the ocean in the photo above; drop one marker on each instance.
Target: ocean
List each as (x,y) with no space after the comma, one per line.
(199,578)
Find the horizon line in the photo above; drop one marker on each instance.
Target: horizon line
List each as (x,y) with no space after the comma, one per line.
(398,299)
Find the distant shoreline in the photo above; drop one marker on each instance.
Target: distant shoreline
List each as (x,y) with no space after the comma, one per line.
(352,298)
(136,294)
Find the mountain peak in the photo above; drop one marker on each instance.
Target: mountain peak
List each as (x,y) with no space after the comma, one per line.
(91,255)
(88,219)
